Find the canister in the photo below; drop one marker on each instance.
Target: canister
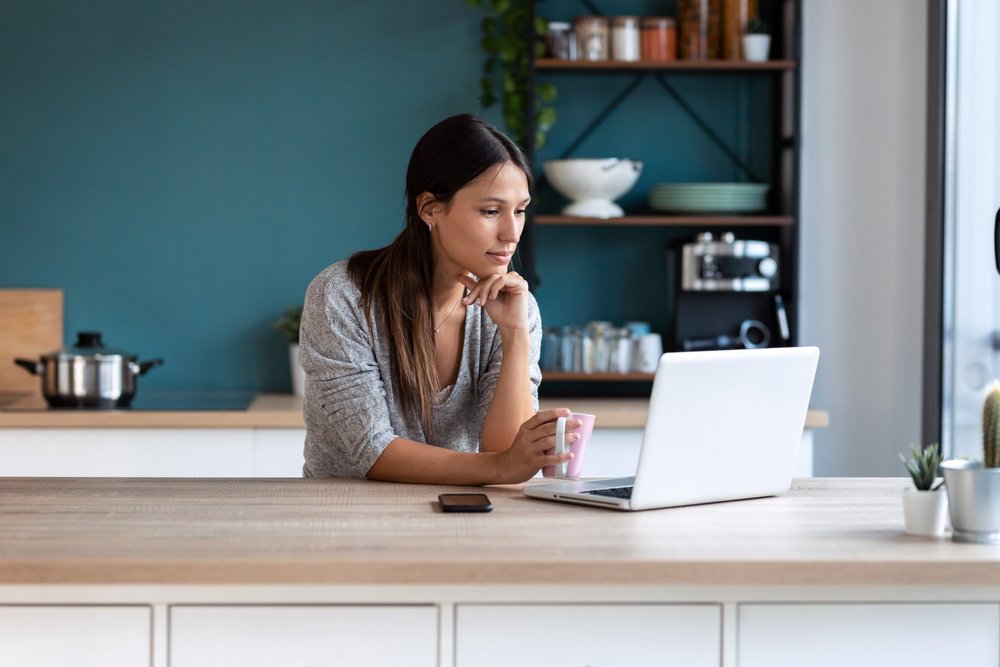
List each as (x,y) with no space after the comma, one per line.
(625,38)
(591,37)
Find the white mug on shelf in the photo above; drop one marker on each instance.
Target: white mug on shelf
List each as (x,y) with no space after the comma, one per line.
(648,349)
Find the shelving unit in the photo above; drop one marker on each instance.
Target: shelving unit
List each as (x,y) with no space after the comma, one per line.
(778,223)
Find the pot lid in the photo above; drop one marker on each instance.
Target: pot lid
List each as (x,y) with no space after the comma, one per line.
(89,344)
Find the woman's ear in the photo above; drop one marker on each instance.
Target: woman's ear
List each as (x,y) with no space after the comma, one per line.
(428,208)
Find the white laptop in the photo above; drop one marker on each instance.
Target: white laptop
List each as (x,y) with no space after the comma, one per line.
(722,425)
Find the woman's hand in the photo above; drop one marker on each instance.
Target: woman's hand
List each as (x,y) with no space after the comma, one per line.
(526,455)
(504,296)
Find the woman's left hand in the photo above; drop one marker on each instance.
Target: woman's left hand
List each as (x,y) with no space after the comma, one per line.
(504,296)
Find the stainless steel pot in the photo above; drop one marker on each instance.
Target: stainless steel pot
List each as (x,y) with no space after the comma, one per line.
(88,375)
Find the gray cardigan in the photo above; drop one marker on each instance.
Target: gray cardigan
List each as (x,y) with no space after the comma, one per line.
(351,408)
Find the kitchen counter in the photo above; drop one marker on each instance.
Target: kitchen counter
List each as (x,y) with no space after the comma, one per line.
(199,572)
(285,411)
(299,531)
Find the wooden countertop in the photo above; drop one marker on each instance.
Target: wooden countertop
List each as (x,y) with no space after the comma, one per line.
(835,531)
(285,411)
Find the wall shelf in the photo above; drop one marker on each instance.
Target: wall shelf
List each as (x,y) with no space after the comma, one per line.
(673,65)
(557,376)
(672,220)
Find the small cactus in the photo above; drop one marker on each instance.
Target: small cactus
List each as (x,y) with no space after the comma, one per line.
(991,428)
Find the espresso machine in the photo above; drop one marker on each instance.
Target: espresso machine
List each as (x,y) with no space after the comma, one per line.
(727,294)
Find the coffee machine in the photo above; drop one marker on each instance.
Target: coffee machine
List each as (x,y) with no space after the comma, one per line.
(727,294)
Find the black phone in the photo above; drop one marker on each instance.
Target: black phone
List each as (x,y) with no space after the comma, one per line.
(465,502)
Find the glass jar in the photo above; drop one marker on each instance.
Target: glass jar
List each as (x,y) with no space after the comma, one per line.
(625,38)
(591,37)
(659,38)
(735,15)
(551,350)
(569,345)
(560,43)
(700,25)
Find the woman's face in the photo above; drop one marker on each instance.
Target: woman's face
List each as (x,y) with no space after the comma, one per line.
(478,230)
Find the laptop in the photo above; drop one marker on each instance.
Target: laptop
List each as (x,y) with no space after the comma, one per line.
(722,425)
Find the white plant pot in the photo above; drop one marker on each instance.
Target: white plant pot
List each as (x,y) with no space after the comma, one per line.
(756,47)
(298,375)
(925,513)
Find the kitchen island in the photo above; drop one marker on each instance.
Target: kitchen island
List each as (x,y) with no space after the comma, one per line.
(194,569)
(264,440)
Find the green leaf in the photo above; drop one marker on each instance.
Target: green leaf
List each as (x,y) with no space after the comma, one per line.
(500,6)
(474,3)
(546,118)
(539,140)
(546,92)
(509,84)
(541,26)
(508,52)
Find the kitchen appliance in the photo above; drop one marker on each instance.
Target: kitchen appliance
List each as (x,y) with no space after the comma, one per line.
(752,335)
(592,184)
(88,374)
(728,265)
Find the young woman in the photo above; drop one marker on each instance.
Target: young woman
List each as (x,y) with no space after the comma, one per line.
(421,358)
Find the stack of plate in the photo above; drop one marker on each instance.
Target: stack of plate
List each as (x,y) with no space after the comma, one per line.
(708,197)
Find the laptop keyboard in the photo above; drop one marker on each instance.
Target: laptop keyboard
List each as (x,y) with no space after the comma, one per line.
(616,492)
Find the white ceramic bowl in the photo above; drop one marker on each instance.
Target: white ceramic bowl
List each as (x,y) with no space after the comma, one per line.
(592,185)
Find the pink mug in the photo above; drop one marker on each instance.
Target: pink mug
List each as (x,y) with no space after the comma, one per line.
(574,467)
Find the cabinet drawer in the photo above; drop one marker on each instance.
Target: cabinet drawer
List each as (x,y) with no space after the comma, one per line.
(263,636)
(547,635)
(83,636)
(907,635)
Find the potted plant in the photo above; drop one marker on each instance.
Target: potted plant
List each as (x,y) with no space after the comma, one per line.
(288,325)
(974,486)
(756,41)
(510,41)
(925,505)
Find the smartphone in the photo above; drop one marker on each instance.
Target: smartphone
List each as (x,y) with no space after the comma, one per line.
(465,502)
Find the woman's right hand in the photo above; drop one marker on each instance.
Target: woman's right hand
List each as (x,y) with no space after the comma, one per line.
(526,455)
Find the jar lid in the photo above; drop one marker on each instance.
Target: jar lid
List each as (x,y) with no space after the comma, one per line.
(624,21)
(559,25)
(657,21)
(591,20)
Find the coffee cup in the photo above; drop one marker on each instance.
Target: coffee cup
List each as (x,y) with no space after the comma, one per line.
(574,467)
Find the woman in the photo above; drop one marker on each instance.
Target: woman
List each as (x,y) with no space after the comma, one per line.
(421,358)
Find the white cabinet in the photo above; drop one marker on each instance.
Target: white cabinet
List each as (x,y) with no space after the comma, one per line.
(82,636)
(278,452)
(888,635)
(264,636)
(151,452)
(553,635)
(126,452)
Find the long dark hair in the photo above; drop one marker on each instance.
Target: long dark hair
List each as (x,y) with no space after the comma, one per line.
(399,277)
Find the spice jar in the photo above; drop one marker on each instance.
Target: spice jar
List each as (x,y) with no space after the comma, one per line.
(735,15)
(560,42)
(591,37)
(625,38)
(699,22)
(659,38)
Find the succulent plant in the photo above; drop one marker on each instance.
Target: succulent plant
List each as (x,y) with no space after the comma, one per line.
(756,26)
(289,324)
(991,428)
(923,466)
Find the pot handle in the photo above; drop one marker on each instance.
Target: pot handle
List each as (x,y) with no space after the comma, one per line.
(33,367)
(146,365)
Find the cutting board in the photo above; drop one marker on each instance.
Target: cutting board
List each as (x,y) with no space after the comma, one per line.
(31,324)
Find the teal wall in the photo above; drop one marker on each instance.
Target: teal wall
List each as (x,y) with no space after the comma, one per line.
(182,169)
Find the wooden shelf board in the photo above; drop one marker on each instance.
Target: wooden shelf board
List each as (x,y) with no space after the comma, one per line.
(672,65)
(553,376)
(672,220)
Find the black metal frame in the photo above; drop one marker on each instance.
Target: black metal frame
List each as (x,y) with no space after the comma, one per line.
(780,144)
(933,372)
